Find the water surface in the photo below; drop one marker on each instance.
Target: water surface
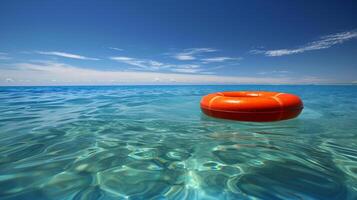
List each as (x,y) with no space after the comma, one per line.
(153,142)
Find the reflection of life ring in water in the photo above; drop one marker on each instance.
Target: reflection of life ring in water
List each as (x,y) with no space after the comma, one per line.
(252,106)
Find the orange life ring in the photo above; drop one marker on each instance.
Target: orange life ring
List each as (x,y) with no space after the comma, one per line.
(256,106)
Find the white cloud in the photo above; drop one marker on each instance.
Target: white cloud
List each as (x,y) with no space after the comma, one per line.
(186,70)
(117,49)
(152,65)
(190,54)
(142,63)
(45,72)
(65,55)
(155,63)
(323,43)
(187,54)
(218,59)
(8,80)
(184,57)
(4,56)
(278,72)
(190,69)
(121,58)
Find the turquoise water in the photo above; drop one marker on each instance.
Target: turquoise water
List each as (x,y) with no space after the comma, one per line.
(153,142)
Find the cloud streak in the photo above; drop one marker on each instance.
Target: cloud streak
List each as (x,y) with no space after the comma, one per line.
(152,65)
(54,73)
(192,53)
(142,63)
(4,56)
(65,55)
(218,59)
(275,72)
(323,43)
(117,49)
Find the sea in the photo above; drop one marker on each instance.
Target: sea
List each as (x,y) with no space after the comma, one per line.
(153,142)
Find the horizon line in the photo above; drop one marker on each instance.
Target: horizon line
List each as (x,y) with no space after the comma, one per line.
(223,84)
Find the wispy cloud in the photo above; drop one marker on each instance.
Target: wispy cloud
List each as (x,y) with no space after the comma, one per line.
(190,69)
(65,55)
(219,59)
(142,63)
(275,72)
(4,56)
(323,43)
(115,48)
(192,53)
(152,65)
(54,73)
(186,71)
(184,57)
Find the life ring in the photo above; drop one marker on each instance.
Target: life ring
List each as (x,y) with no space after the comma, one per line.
(256,106)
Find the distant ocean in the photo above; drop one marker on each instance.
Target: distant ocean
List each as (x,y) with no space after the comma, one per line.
(153,142)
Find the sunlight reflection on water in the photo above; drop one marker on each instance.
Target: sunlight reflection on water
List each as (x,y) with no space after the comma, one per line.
(145,142)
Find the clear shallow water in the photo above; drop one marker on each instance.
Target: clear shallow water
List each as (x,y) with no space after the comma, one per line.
(152,142)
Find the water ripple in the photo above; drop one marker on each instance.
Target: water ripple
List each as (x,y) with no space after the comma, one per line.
(152,142)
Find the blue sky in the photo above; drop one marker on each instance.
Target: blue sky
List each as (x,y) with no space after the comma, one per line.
(177,42)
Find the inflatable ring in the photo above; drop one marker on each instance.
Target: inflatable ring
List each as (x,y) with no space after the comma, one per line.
(252,106)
